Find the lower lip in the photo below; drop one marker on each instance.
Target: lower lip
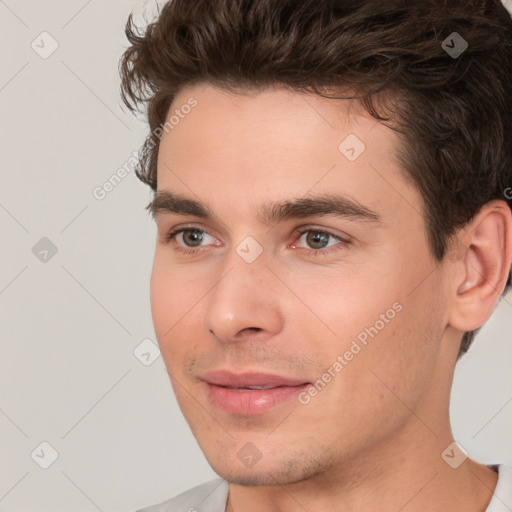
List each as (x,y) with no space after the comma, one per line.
(251,402)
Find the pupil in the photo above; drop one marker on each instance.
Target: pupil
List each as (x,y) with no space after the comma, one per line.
(195,237)
(317,238)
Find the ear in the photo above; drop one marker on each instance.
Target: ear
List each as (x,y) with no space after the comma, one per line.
(482,267)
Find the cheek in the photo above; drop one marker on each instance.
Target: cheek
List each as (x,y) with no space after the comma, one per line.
(379,385)
(397,364)
(173,289)
(175,296)
(346,306)
(171,299)
(379,328)
(161,299)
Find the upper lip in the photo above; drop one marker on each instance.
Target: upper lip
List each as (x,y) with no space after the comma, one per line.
(229,379)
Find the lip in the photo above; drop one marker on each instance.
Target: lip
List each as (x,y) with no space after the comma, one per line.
(227,378)
(250,402)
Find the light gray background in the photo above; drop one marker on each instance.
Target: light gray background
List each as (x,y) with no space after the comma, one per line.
(69,326)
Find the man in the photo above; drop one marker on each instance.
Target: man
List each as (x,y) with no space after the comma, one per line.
(333,204)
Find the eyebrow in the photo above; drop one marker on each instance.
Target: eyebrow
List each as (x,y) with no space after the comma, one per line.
(166,202)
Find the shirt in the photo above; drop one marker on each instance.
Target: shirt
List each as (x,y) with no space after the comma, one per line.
(212,496)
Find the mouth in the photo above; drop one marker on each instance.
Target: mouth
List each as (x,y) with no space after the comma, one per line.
(250,393)
(249,380)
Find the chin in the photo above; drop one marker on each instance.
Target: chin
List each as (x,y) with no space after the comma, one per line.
(284,473)
(261,478)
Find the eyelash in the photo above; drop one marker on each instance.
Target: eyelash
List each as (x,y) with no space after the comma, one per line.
(171,235)
(323,252)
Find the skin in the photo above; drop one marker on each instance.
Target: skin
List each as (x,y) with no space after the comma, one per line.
(372,438)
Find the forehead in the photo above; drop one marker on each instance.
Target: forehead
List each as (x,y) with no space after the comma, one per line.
(276,143)
(285,116)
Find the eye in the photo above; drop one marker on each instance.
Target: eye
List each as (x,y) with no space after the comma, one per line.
(319,240)
(191,238)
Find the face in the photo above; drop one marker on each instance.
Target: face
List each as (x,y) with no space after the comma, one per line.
(300,253)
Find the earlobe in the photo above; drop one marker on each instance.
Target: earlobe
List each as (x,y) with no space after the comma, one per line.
(484,266)
(465,287)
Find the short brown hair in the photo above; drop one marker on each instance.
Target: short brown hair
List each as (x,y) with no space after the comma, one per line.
(454,111)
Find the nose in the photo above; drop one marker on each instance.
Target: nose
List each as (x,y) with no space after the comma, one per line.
(244,304)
